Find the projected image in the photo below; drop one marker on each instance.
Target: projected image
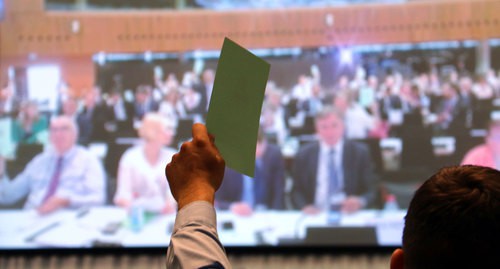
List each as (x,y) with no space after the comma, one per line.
(346,136)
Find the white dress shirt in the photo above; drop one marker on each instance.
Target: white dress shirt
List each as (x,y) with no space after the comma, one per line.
(322,180)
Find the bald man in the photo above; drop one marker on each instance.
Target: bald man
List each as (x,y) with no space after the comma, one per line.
(65,175)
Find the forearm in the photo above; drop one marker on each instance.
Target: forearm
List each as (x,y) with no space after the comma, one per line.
(194,242)
(75,200)
(12,190)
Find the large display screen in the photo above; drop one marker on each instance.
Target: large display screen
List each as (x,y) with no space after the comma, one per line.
(393,114)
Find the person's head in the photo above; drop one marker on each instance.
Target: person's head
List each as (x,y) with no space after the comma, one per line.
(373,81)
(448,90)
(63,133)
(453,77)
(156,129)
(29,111)
(208,76)
(453,221)
(415,91)
(302,79)
(465,84)
(316,90)
(115,96)
(90,98)
(329,125)
(273,97)
(343,100)
(172,95)
(142,93)
(389,81)
(69,107)
(5,92)
(189,79)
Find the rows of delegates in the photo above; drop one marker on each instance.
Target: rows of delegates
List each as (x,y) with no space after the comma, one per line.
(67,174)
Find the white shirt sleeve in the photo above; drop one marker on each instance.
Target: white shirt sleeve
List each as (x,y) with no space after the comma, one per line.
(194,242)
(13,190)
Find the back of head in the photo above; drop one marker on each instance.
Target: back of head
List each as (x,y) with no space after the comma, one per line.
(454,220)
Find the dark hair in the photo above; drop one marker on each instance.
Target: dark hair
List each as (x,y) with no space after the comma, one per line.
(328,111)
(454,220)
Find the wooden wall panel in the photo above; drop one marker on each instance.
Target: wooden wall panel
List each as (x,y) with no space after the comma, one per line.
(26,30)
(30,30)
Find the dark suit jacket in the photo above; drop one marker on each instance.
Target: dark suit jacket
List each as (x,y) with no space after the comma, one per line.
(125,127)
(91,128)
(140,110)
(359,176)
(269,189)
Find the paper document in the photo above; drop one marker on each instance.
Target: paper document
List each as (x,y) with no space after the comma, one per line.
(235,105)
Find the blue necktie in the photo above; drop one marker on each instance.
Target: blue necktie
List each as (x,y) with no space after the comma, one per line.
(248,195)
(333,185)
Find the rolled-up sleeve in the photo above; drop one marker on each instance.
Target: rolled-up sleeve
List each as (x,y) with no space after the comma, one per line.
(194,242)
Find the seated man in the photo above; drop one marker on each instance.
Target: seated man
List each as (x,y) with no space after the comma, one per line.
(453,221)
(66,175)
(243,194)
(331,167)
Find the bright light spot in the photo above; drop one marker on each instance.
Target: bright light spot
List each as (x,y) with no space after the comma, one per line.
(101,58)
(148,56)
(346,56)
(43,83)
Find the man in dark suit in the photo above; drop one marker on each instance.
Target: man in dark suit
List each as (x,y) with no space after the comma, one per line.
(144,102)
(243,194)
(333,166)
(205,90)
(121,116)
(91,120)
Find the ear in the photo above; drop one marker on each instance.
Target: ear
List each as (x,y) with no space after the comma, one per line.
(397,259)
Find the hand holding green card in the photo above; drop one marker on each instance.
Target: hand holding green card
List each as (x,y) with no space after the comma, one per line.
(235,105)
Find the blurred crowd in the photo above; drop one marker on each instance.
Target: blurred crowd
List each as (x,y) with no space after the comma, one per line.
(366,107)
(446,104)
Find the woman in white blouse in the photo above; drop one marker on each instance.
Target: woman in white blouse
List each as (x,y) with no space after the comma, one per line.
(141,171)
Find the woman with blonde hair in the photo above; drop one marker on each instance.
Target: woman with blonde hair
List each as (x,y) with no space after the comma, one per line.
(29,125)
(141,172)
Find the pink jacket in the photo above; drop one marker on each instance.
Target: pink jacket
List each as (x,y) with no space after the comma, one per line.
(480,155)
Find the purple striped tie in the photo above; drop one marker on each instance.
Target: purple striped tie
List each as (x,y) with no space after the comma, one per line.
(54,182)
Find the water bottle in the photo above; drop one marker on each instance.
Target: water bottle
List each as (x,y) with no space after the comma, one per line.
(334,210)
(136,218)
(390,203)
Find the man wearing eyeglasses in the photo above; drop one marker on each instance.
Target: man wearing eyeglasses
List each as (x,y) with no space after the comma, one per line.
(65,175)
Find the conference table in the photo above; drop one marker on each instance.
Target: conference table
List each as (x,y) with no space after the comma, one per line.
(110,226)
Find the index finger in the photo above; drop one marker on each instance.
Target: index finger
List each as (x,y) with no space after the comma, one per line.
(200,133)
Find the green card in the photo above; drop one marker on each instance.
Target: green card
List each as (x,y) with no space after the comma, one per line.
(235,105)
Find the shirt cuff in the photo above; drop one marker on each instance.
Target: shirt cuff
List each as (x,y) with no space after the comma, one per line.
(363,201)
(196,212)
